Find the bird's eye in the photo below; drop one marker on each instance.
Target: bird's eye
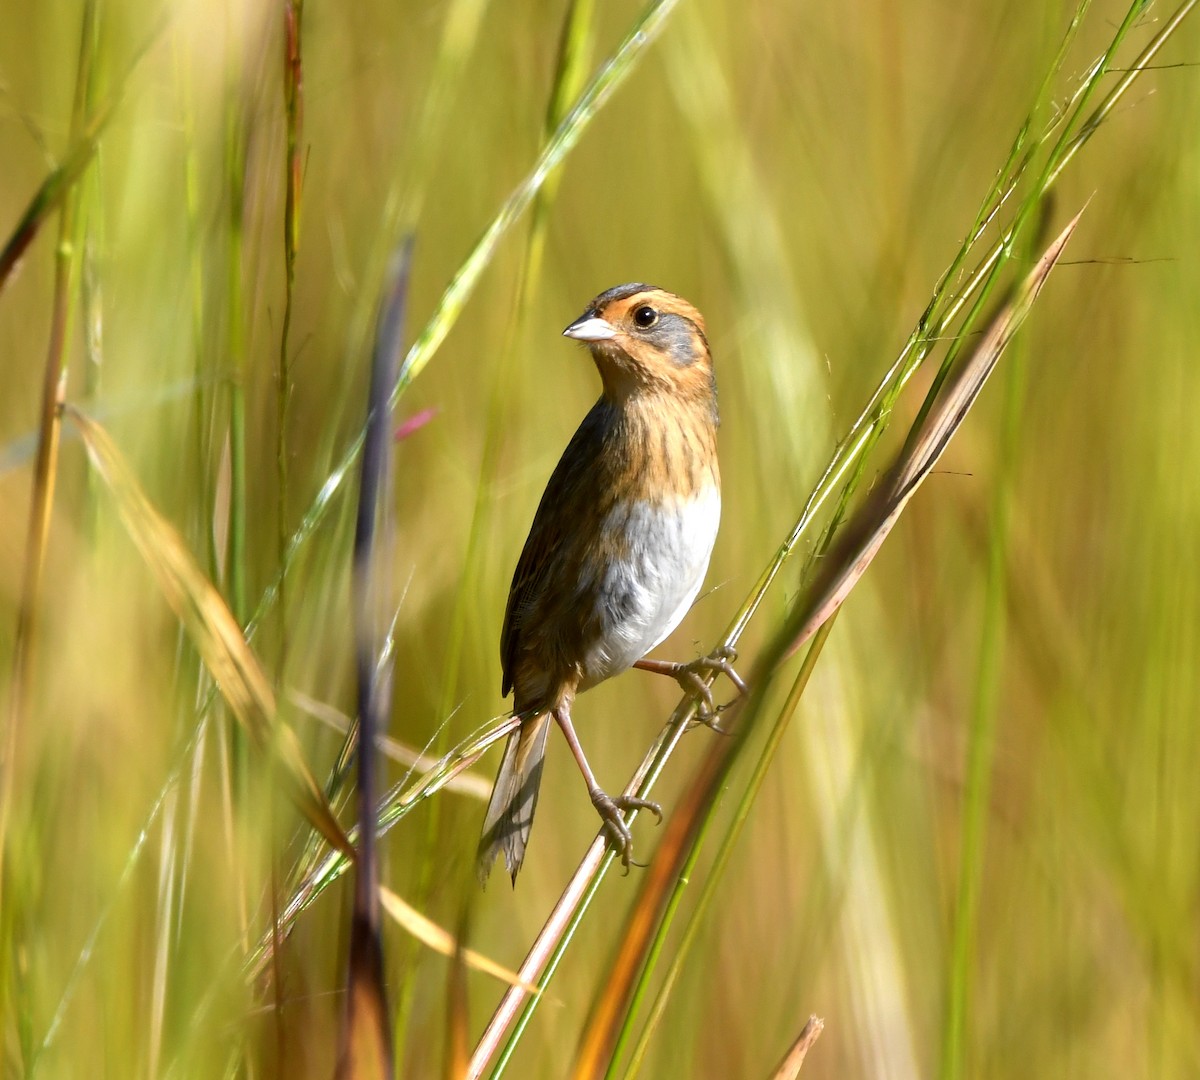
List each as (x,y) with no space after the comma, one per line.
(645,317)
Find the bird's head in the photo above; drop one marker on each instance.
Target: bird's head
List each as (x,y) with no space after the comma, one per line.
(645,339)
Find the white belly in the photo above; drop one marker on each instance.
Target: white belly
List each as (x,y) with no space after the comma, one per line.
(645,595)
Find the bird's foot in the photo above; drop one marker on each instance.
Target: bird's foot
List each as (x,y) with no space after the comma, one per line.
(610,811)
(692,678)
(721,659)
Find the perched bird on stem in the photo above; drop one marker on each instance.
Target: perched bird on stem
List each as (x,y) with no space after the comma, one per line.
(617,551)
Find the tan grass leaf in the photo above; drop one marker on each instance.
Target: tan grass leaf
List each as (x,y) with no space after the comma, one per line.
(789,1067)
(426,931)
(865,533)
(211,626)
(471,784)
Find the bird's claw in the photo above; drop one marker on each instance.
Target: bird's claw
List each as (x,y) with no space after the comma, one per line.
(722,659)
(691,678)
(610,811)
(706,718)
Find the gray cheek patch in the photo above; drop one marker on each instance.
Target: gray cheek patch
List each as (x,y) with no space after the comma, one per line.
(673,335)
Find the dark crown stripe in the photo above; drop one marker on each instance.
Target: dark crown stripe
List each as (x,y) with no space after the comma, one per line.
(622,292)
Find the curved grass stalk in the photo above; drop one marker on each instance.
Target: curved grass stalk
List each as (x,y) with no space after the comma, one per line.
(716,873)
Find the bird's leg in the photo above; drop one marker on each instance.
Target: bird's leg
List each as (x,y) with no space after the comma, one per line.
(607,807)
(691,677)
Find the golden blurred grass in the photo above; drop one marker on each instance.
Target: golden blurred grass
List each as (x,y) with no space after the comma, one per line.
(804,175)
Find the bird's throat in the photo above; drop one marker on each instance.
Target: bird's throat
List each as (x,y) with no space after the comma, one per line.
(666,446)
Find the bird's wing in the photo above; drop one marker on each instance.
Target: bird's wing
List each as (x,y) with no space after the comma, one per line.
(558,527)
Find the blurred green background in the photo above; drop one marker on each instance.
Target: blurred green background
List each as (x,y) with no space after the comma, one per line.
(803,173)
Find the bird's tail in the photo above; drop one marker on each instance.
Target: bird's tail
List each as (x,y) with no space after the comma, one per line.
(514,798)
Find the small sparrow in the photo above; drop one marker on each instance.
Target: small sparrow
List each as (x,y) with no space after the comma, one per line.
(618,549)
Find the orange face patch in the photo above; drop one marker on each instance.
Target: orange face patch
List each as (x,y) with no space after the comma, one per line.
(657,344)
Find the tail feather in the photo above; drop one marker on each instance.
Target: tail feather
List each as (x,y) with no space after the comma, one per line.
(514,798)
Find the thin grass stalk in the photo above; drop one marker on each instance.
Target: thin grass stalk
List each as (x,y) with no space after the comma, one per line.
(577,900)
(202,405)
(164,908)
(678,839)
(54,380)
(45,475)
(91,295)
(53,190)
(981,732)
(234,746)
(932,327)
(714,877)
(91,299)
(193,820)
(457,1039)
(293,98)
(234,556)
(548,949)
(176,842)
(574,53)
(293,93)
(1041,185)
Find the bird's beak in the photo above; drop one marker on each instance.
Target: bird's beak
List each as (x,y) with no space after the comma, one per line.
(590,328)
